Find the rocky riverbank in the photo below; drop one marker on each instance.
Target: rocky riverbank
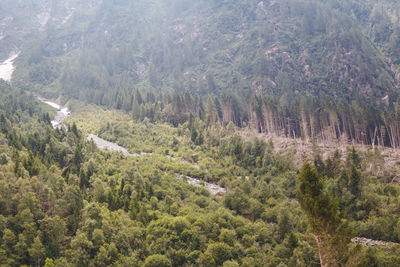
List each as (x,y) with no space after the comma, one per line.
(370,242)
(106,145)
(213,188)
(62,113)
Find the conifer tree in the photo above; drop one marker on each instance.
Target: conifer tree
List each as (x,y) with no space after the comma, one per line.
(37,251)
(332,233)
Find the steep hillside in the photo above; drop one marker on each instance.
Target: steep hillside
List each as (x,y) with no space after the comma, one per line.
(208,110)
(262,46)
(300,68)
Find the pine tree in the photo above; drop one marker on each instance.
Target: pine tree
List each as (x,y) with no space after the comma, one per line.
(211,111)
(37,251)
(74,129)
(354,181)
(332,233)
(49,263)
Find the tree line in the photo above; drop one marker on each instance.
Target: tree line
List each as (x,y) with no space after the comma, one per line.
(310,118)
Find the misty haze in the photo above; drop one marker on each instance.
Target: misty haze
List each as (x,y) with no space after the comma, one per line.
(199,133)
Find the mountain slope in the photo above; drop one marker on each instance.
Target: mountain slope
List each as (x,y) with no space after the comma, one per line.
(300,68)
(171,80)
(267,47)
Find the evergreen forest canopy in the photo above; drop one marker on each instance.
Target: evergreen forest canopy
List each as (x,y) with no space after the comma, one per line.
(300,68)
(182,84)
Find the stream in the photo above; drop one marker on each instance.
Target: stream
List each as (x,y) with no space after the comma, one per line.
(63,113)
(6,70)
(7,67)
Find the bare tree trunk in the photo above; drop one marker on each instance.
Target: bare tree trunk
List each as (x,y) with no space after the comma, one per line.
(325,259)
(305,128)
(391,137)
(321,258)
(372,136)
(312,127)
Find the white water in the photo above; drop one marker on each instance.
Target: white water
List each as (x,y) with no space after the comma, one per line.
(7,68)
(62,113)
(54,105)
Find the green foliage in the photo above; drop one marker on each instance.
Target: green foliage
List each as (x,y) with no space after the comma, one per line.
(64,202)
(49,263)
(322,211)
(37,252)
(328,70)
(332,234)
(157,260)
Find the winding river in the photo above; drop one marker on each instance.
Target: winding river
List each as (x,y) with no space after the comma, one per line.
(6,70)
(63,113)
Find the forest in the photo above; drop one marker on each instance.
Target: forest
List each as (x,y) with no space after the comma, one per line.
(242,95)
(64,202)
(316,70)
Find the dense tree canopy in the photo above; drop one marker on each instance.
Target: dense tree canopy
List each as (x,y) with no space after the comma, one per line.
(64,202)
(201,94)
(300,68)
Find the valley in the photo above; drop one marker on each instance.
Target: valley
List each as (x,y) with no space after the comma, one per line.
(63,113)
(199,133)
